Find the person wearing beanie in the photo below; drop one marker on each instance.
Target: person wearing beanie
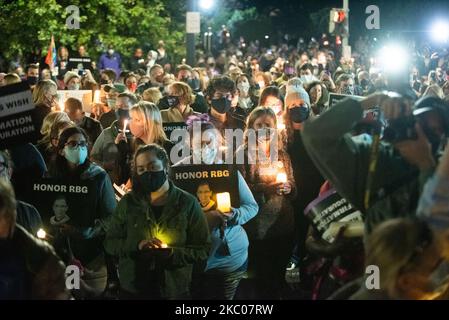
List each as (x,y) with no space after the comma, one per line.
(72,80)
(308,178)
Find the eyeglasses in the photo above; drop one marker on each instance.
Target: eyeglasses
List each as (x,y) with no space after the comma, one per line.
(74,144)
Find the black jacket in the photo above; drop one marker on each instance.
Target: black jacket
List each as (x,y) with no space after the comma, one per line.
(92,127)
(30,269)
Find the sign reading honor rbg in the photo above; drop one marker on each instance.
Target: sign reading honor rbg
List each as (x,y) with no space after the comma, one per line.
(16,115)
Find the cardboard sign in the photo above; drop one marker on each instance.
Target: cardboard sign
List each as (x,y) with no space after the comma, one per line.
(328,208)
(17,125)
(169,127)
(334,98)
(205,181)
(85,96)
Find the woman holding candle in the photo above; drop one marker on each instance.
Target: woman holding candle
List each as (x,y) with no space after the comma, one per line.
(228,258)
(158,232)
(146,126)
(273,185)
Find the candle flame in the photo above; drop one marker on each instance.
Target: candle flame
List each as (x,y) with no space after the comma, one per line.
(41,234)
(281,177)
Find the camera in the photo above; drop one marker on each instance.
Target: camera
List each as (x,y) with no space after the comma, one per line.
(403,128)
(400,129)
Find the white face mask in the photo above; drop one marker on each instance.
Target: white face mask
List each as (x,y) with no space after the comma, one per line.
(75,86)
(243,87)
(111,52)
(261,85)
(307,78)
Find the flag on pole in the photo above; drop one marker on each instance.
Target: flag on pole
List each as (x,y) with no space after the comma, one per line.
(51,54)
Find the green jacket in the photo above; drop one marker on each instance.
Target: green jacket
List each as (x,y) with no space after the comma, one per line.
(182,226)
(344,160)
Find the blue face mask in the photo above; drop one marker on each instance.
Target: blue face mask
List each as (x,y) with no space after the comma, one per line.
(76,155)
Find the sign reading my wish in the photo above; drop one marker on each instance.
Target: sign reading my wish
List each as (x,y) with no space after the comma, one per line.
(17,118)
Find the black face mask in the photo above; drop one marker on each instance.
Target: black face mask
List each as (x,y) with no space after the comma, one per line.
(299,114)
(194,84)
(364,83)
(152,181)
(32,80)
(172,101)
(122,113)
(221,105)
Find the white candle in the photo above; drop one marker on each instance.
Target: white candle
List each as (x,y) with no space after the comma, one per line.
(164,245)
(281,126)
(224,202)
(41,234)
(281,177)
(125,124)
(97,96)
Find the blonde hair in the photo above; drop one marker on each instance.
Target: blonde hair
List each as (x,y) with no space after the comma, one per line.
(42,87)
(391,247)
(50,119)
(152,95)
(11,78)
(183,91)
(152,122)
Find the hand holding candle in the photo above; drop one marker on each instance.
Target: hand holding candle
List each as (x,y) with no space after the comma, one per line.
(125,124)
(41,234)
(282,178)
(224,202)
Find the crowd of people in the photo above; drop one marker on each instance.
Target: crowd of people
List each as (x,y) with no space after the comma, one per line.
(158,241)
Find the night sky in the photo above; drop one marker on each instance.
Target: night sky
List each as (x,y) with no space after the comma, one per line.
(404,15)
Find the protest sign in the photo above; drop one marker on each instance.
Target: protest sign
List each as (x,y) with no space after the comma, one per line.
(17,123)
(80,63)
(206,181)
(330,208)
(169,127)
(85,96)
